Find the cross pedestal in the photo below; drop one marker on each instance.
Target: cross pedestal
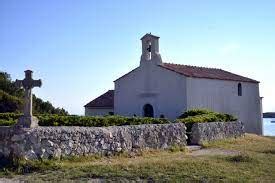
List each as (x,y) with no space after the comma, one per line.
(28,120)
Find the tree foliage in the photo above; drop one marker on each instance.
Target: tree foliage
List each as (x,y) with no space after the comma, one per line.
(9,103)
(12,99)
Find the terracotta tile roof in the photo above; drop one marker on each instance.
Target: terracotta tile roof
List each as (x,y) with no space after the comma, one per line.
(203,72)
(103,101)
(107,99)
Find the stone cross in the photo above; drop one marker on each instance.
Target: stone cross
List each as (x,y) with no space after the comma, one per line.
(27,120)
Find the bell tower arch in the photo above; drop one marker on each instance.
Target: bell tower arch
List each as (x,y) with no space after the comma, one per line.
(150,49)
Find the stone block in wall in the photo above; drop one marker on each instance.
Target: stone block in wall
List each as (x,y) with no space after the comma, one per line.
(48,142)
(204,132)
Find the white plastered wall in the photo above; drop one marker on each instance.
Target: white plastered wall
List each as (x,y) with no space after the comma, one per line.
(150,84)
(222,96)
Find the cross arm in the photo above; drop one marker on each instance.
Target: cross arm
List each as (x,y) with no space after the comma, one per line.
(18,83)
(37,83)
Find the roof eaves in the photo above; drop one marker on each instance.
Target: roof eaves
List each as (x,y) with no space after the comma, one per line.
(246,78)
(238,80)
(149,34)
(89,104)
(99,107)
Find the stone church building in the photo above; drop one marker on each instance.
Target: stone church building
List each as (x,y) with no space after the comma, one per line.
(158,89)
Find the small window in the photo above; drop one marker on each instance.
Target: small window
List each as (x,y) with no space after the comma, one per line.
(240,90)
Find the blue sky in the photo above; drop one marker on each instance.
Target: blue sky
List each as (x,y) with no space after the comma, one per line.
(78,48)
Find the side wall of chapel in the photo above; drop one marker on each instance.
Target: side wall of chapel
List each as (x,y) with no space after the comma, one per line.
(222,96)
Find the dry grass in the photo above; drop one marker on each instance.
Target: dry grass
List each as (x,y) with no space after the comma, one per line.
(251,143)
(256,162)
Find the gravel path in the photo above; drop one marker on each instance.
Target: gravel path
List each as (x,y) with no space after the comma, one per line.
(213,152)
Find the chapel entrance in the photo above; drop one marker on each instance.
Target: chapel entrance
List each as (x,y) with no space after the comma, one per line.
(148,111)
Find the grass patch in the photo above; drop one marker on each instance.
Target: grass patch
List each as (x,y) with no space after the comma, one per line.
(249,142)
(269,151)
(251,165)
(178,149)
(240,158)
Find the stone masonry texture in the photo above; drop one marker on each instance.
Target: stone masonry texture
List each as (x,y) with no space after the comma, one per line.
(203,132)
(56,142)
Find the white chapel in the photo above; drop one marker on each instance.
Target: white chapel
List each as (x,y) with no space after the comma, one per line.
(158,89)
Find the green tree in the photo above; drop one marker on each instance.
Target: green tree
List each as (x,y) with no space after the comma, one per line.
(9,103)
(11,99)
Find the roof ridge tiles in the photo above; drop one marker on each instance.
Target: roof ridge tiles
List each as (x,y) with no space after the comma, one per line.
(194,66)
(205,72)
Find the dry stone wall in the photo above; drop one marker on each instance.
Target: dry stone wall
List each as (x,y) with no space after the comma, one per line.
(202,132)
(47,142)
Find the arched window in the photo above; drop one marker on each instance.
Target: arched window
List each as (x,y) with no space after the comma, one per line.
(240,90)
(148,111)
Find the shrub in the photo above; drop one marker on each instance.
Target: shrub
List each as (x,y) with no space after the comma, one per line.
(195,112)
(7,122)
(96,121)
(203,116)
(9,116)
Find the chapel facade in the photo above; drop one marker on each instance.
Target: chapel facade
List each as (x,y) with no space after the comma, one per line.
(158,89)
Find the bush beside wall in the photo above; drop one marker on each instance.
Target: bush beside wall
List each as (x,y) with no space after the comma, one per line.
(7,119)
(203,116)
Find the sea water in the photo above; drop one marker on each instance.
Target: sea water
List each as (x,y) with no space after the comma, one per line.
(268,126)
